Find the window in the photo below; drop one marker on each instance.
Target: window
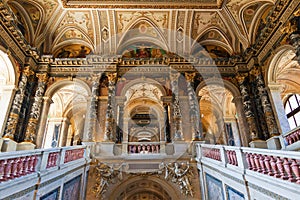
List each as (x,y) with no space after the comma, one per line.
(292,110)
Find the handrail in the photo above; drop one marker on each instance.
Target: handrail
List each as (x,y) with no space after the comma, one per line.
(276,163)
(21,163)
(292,136)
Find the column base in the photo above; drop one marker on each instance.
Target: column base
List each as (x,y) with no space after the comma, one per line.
(274,143)
(8,145)
(258,144)
(180,147)
(23,146)
(107,148)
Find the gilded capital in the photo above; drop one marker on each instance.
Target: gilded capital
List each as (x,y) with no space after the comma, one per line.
(240,78)
(174,76)
(190,76)
(43,77)
(96,77)
(255,72)
(27,71)
(112,77)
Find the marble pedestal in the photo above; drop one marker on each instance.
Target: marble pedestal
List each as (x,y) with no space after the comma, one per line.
(258,144)
(8,145)
(180,147)
(274,143)
(23,146)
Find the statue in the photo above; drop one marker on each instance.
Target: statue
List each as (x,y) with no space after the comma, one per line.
(181,175)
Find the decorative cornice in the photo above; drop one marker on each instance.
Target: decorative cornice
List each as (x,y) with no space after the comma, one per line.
(144,4)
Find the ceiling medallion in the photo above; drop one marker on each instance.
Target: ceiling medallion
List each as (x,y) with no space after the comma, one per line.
(142,4)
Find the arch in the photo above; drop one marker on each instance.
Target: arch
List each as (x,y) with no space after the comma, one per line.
(163,43)
(60,84)
(274,62)
(56,45)
(8,78)
(143,80)
(214,42)
(255,20)
(221,82)
(165,186)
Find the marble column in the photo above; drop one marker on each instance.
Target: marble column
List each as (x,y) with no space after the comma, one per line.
(247,107)
(13,118)
(120,119)
(42,124)
(241,120)
(65,122)
(266,105)
(92,111)
(35,112)
(177,117)
(166,127)
(275,90)
(196,124)
(109,117)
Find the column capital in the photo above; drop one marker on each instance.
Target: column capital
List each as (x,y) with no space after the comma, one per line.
(166,99)
(43,77)
(27,71)
(174,76)
(190,76)
(275,87)
(112,77)
(241,78)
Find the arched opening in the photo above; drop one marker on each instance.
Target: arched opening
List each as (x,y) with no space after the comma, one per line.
(219,115)
(7,87)
(146,187)
(66,117)
(144,116)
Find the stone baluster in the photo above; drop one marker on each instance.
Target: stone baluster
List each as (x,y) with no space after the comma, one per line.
(109,117)
(288,169)
(2,167)
(14,168)
(177,117)
(280,167)
(296,170)
(250,166)
(262,164)
(195,120)
(274,167)
(247,107)
(35,112)
(13,118)
(254,167)
(92,112)
(267,162)
(265,102)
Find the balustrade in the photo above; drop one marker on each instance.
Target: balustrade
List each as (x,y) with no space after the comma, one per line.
(73,154)
(144,148)
(21,163)
(284,165)
(212,153)
(292,136)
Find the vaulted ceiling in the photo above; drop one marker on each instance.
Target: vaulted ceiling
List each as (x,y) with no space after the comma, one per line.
(76,28)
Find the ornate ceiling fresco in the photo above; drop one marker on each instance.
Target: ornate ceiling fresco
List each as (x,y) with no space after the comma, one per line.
(222,28)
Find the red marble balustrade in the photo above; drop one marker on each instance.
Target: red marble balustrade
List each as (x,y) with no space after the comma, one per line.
(292,137)
(52,160)
(143,148)
(17,167)
(278,167)
(212,153)
(231,157)
(73,154)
